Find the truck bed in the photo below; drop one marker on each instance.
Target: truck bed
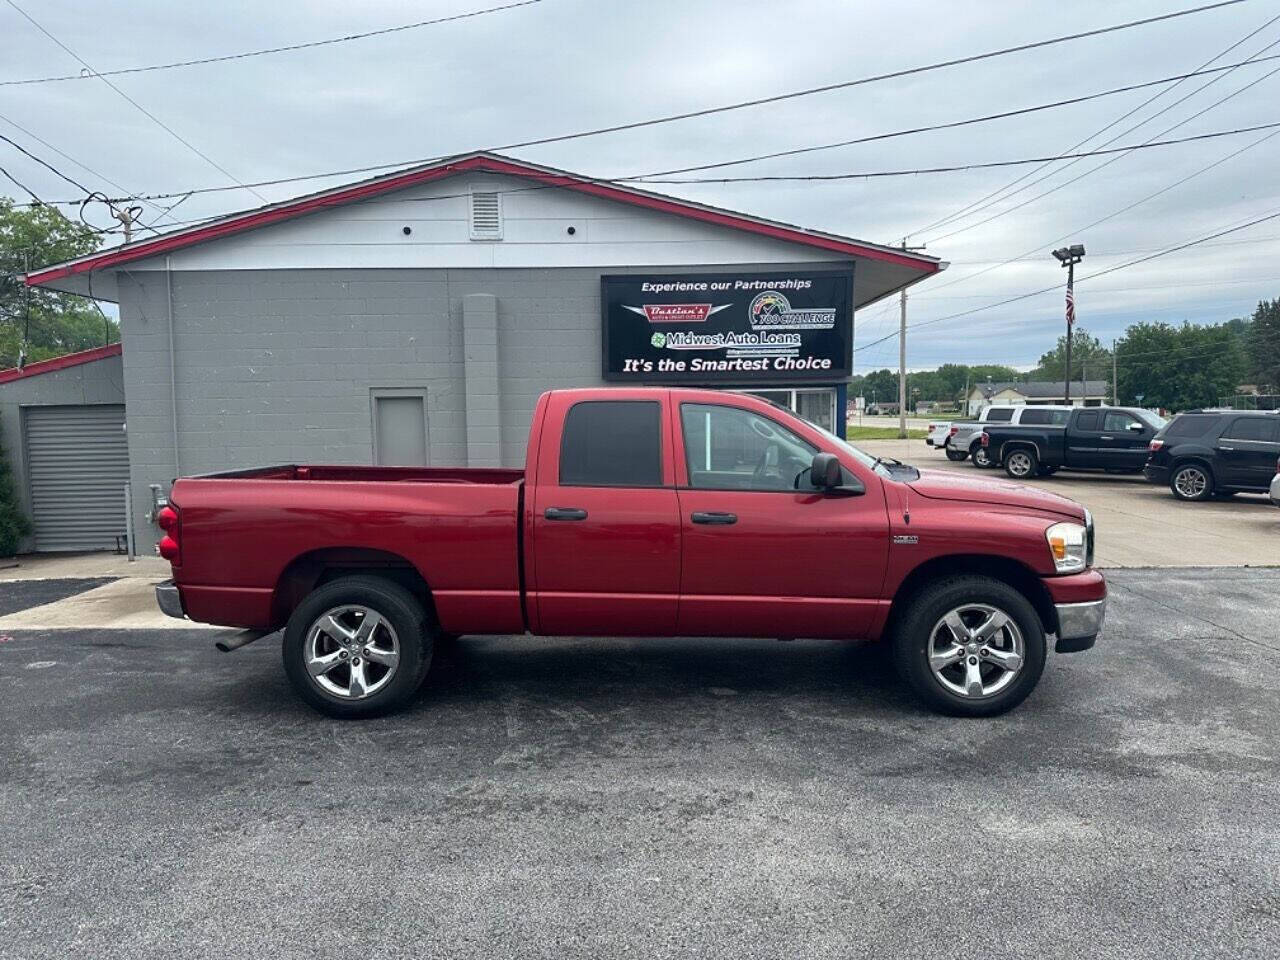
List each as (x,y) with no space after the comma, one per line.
(356,474)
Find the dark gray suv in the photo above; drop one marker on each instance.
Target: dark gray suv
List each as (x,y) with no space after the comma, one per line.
(1206,453)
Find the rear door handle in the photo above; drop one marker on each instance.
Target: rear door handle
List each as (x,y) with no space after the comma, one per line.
(565,513)
(714,517)
(1220,447)
(1106,438)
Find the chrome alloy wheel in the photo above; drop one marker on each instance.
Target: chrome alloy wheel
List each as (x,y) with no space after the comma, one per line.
(980,456)
(351,652)
(1191,482)
(976,650)
(1019,463)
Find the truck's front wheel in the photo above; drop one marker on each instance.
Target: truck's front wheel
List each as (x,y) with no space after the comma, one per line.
(357,647)
(970,646)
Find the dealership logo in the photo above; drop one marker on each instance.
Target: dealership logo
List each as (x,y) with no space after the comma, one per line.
(677,312)
(773,311)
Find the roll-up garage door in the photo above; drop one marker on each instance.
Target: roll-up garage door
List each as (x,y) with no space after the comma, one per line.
(77,465)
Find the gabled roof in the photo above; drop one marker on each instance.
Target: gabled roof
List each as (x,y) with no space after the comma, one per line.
(60,363)
(492,163)
(1041,389)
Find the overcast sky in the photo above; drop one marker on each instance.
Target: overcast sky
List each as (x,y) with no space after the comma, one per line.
(560,66)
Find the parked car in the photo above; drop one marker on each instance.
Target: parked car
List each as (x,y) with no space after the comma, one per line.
(1206,453)
(640,512)
(965,439)
(1114,439)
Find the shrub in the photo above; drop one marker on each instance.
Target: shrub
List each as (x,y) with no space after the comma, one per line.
(14,524)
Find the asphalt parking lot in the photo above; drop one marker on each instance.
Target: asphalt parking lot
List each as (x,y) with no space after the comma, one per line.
(719,798)
(1139,524)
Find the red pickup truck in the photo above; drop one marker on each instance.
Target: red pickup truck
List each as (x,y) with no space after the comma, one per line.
(640,512)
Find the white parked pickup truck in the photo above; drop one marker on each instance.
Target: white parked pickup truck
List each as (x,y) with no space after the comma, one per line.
(965,439)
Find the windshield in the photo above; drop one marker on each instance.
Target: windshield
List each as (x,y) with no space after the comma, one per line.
(1151,419)
(867,460)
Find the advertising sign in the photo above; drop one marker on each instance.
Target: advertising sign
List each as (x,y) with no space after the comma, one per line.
(729,328)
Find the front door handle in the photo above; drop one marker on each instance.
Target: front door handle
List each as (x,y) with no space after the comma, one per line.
(1228,449)
(714,517)
(1106,438)
(565,513)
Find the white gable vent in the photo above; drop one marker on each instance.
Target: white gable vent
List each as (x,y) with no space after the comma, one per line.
(486,215)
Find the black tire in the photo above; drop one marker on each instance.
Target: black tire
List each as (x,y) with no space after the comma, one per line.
(913,638)
(1021,463)
(981,458)
(401,611)
(956,455)
(1191,481)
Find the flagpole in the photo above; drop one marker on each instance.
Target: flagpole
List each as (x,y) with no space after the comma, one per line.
(1069,257)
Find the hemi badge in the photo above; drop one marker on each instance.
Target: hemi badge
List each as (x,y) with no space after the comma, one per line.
(905,539)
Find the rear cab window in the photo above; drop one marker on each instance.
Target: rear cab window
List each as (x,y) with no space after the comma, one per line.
(998,414)
(612,443)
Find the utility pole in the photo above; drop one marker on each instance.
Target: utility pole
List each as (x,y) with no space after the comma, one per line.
(902,357)
(1115,377)
(1069,257)
(127,216)
(902,365)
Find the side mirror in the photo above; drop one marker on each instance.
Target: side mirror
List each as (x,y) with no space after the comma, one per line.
(825,471)
(1136,427)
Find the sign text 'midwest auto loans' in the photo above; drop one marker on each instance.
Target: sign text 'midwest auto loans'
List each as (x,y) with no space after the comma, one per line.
(727,327)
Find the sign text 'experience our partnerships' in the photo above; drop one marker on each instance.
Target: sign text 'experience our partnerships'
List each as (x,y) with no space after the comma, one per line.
(734,327)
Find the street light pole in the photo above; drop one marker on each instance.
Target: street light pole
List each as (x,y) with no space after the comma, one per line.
(1069,257)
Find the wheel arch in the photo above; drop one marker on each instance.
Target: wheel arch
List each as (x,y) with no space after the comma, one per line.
(1198,459)
(317,567)
(1005,569)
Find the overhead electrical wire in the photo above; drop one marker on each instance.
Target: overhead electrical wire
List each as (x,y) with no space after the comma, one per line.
(1100,273)
(287,48)
(145,112)
(982,202)
(737,105)
(1022,111)
(1093,170)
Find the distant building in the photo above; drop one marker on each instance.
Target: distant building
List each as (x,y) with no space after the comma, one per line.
(1089,393)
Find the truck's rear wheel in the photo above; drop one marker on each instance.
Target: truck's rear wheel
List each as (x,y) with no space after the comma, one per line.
(970,646)
(981,458)
(1021,464)
(357,647)
(956,455)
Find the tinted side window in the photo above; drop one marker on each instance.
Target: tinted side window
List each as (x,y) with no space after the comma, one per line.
(996,416)
(1037,417)
(1190,425)
(1088,421)
(727,448)
(1059,418)
(1251,428)
(612,443)
(1117,421)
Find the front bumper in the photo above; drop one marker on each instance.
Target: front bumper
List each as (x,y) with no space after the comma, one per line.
(170,600)
(1079,624)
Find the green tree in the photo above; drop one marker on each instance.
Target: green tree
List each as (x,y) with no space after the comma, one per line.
(1088,355)
(1178,368)
(13,523)
(53,323)
(1263,340)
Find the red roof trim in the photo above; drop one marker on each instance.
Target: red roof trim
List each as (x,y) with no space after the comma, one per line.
(248,221)
(60,363)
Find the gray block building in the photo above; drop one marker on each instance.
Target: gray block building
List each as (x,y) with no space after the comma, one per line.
(415,318)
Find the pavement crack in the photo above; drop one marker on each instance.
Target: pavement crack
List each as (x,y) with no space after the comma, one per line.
(1195,616)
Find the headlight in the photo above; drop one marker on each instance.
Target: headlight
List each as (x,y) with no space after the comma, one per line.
(1069,545)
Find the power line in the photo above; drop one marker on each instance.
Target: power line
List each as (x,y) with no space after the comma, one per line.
(147,113)
(1122,266)
(44,163)
(36,201)
(960,123)
(1061,186)
(738,105)
(982,201)
(868,175)
(652,179)
(288,48)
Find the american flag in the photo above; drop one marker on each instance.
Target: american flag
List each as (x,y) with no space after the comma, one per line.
(1071,307)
